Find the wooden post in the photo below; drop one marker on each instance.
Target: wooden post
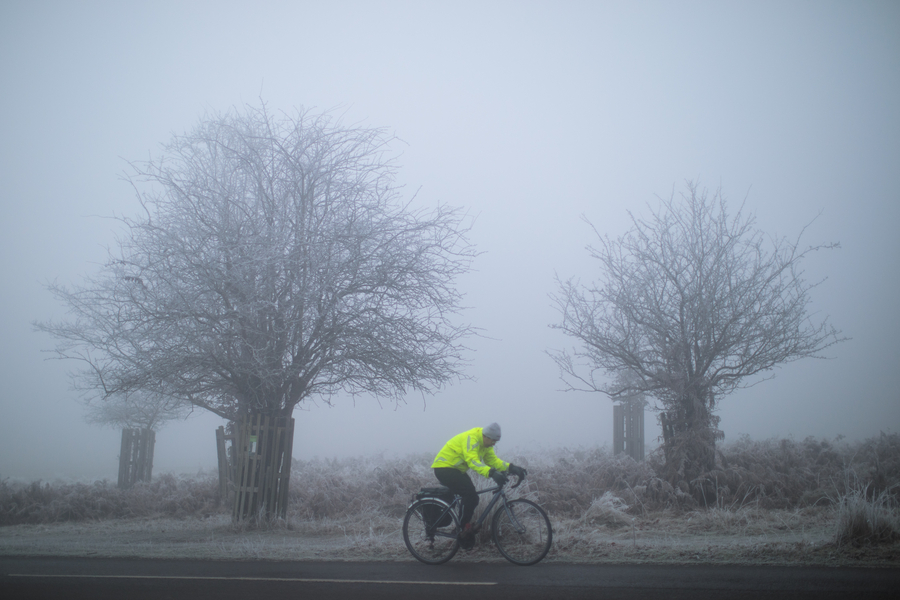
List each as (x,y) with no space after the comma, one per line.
(223,463)
(618,429)
(285,473)
(634,429)
(124,459)
(628,428)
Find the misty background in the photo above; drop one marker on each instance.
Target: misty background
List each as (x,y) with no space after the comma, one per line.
(529,115)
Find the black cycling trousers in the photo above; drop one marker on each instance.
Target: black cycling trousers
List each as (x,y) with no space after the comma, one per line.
(460,483)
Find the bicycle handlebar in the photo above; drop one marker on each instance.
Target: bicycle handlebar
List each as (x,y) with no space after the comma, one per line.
(518,482)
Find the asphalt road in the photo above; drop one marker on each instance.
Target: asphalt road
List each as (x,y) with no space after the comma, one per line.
(100,579)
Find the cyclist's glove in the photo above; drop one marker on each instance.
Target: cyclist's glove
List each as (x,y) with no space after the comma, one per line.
(517,471)
(499,477)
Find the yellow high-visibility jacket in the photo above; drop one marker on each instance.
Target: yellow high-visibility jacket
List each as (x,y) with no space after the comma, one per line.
(466,451)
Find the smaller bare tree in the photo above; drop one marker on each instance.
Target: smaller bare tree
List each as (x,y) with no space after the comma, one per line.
(139,414)
(136,410)
(692,305)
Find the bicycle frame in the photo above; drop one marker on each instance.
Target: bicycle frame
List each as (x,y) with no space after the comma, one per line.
(499,494)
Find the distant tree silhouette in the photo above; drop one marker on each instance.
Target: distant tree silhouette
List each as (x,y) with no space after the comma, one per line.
(690,303)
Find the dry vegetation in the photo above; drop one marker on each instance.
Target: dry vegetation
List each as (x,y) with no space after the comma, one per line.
(781,501)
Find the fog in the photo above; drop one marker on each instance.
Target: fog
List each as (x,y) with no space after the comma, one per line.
(529,115)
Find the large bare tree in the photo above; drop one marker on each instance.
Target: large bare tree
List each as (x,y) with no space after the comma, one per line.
(691,305)
(275,261)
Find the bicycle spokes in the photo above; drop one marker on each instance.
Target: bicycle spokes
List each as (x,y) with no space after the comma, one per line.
(428,537)
(522,532)
(517,525)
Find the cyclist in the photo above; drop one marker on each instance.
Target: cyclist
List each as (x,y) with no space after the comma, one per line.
(473,449)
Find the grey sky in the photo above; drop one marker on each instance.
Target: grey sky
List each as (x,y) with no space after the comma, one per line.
(529,114)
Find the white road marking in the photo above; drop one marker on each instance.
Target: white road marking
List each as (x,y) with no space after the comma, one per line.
(291,579)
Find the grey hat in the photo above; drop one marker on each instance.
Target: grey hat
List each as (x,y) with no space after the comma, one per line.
(492,431)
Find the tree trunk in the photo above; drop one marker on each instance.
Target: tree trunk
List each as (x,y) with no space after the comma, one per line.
(262,461)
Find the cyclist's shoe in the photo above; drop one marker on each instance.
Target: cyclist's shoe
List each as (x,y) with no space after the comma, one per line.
(467,537)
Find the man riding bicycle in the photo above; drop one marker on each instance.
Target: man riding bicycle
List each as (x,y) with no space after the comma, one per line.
(473,449)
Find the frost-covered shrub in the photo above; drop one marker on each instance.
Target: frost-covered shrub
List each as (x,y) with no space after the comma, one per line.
(777,473)
(336,488)
(569,481)
(786,473)
(569,484)
(166,495)
(864,520)
(608,510)
(773,473)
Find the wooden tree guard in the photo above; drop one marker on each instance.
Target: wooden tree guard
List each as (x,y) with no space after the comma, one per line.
(262,467)
(136,456)
(628,428)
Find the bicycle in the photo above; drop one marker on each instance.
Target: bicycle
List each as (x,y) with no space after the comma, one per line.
(519,528)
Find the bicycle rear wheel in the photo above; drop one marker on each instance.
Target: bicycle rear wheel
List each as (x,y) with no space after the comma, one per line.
(428,541)
(522,533)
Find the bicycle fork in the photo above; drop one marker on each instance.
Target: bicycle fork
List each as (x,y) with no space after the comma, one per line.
(520,529)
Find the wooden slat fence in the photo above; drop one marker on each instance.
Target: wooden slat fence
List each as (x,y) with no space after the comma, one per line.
(262,454)
(136,456)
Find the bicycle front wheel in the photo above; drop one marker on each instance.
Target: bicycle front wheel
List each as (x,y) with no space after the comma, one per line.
(431,539)
(521,531)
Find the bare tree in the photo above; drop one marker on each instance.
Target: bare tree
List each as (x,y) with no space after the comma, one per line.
(140,415)
(691,305)
(275,262)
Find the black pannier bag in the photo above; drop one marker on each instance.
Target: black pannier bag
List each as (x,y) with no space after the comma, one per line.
(433,512)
